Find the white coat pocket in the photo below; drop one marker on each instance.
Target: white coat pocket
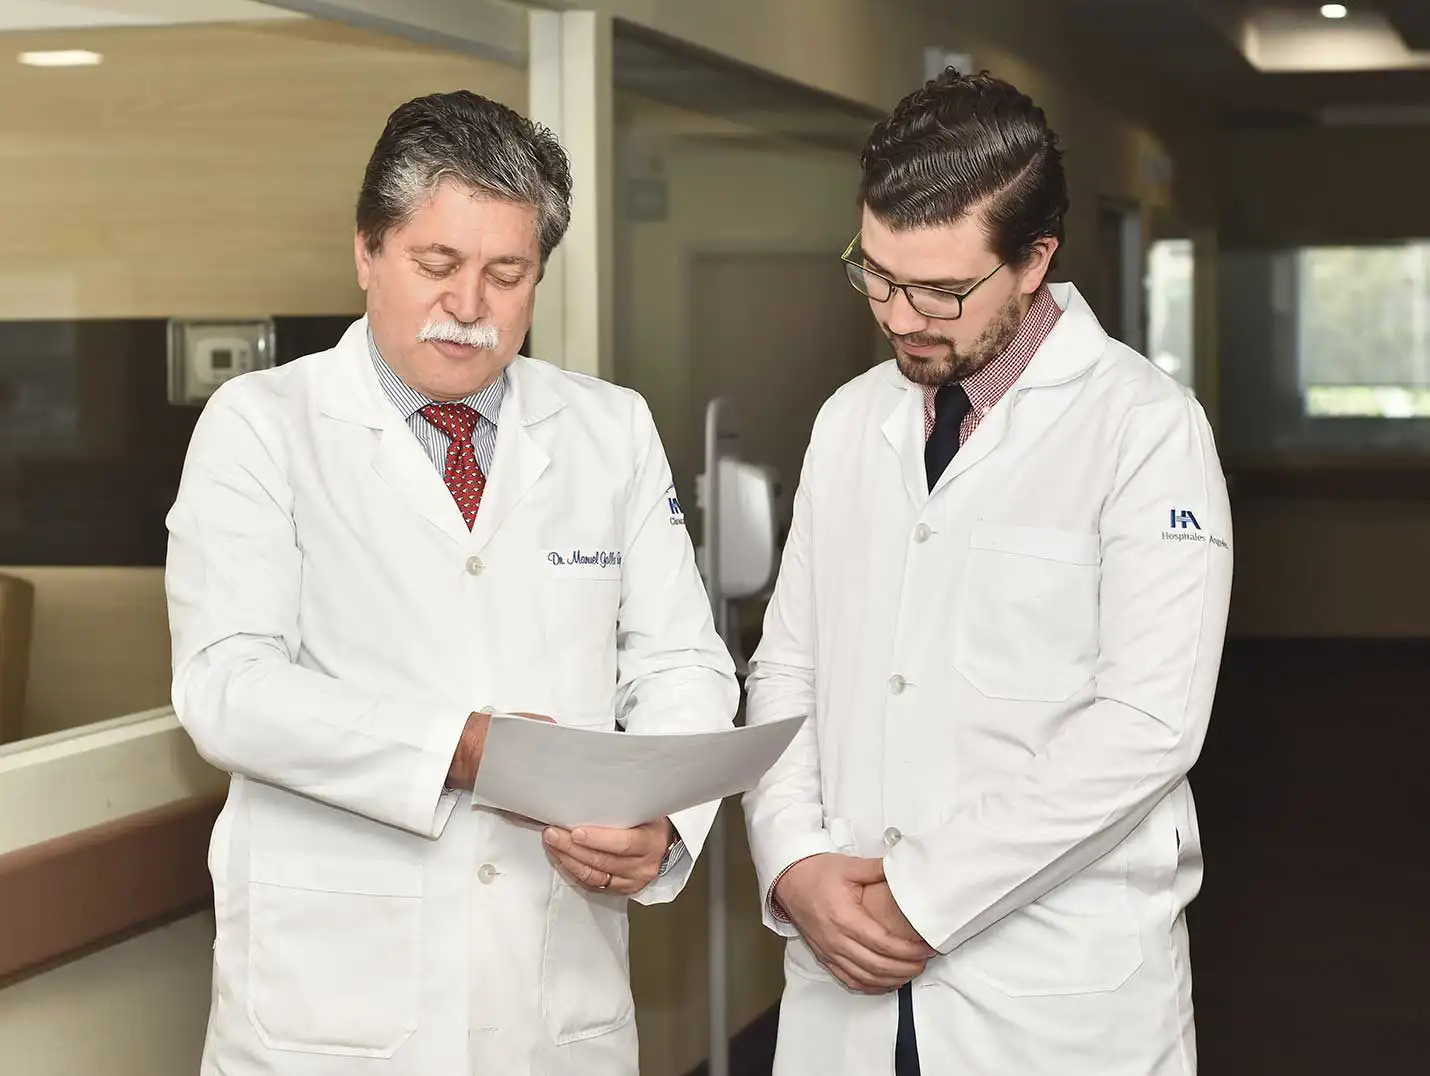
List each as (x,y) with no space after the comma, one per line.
(334,953)
(585,969)
(575,615)
(581,596)
(1079,938)
(1027,621)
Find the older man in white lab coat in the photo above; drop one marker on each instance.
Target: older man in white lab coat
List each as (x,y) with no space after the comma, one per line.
(1003,601)
(360,572)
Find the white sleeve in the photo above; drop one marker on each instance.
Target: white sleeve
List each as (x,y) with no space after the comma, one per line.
(1162,621)
(674,673)
(232,577)
(784,813)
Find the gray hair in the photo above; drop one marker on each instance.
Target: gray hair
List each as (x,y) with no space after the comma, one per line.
(470,140)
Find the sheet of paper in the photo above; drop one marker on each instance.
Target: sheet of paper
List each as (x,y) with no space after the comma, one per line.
(564,776)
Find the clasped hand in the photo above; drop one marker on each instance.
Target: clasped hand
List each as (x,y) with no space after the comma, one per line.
(848,917)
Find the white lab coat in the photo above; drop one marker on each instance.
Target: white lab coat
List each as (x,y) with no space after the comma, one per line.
(1010,678)
(334,624)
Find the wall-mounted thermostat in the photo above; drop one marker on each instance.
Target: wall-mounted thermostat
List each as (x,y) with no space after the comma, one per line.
(205,354)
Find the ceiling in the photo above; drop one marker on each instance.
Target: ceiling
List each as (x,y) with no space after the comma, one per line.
(1281,63)
(69,15)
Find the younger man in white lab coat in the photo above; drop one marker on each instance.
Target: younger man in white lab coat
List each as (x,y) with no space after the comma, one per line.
(1003,602)
(372,551)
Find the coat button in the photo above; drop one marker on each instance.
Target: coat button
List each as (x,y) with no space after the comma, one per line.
(922,532)
(892,837)
(475,566)
(897,684)
(486,874)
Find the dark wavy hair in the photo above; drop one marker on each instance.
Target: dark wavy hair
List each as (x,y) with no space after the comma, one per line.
(966,143)
(473,141)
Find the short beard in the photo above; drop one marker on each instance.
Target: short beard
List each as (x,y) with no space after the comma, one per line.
(958,365)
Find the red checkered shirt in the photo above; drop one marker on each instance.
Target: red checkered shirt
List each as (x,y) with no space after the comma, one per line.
(985,389)
(988,385)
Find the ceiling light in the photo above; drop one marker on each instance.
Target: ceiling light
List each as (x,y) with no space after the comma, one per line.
(61,58)
(1334,11)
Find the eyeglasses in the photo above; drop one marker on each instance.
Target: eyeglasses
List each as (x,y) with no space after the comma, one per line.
(939,303)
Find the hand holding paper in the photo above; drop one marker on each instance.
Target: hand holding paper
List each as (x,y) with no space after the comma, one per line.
(468,756)
(622,861)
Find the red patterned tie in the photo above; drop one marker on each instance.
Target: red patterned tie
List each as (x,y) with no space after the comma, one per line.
(463,474)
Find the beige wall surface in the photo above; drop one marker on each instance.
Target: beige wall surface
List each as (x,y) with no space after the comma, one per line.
(201,170)
(100,645)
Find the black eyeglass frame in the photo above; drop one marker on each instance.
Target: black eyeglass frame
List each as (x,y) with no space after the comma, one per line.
(852,267)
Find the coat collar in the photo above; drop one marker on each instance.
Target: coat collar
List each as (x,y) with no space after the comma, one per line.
(1073,347)
(347,388)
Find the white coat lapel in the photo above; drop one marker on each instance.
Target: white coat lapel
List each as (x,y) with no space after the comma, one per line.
(353,394)
(1070,350)
(904,430)
(984,439)
(401,463)
(520,458)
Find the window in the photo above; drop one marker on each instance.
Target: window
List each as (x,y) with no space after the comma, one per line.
(1363,330)
(1169,307)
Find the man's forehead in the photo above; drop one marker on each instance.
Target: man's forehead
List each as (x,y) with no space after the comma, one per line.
(938,248)
(460,223)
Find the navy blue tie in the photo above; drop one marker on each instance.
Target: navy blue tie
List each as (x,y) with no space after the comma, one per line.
(950,406)
(906,1045)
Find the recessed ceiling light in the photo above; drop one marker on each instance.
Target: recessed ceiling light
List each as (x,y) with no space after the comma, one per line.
(61,58)
(1334,11)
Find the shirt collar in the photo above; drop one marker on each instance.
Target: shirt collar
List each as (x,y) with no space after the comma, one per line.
(409,401)
(989,384)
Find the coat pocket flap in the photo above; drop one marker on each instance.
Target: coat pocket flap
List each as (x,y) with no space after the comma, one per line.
(1044,543)
(364,877)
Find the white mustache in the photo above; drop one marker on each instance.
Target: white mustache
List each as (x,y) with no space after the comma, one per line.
(485,337)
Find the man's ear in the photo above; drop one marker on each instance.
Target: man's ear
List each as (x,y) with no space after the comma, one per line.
(1032,275)
(362,259)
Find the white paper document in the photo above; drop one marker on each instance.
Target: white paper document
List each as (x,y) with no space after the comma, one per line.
(564,776)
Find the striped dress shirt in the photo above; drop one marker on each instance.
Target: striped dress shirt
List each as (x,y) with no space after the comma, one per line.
(409,403)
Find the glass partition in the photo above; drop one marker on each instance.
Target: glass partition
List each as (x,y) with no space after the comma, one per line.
(1171,312)
(193,167)
(734,194)
(1326,351)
